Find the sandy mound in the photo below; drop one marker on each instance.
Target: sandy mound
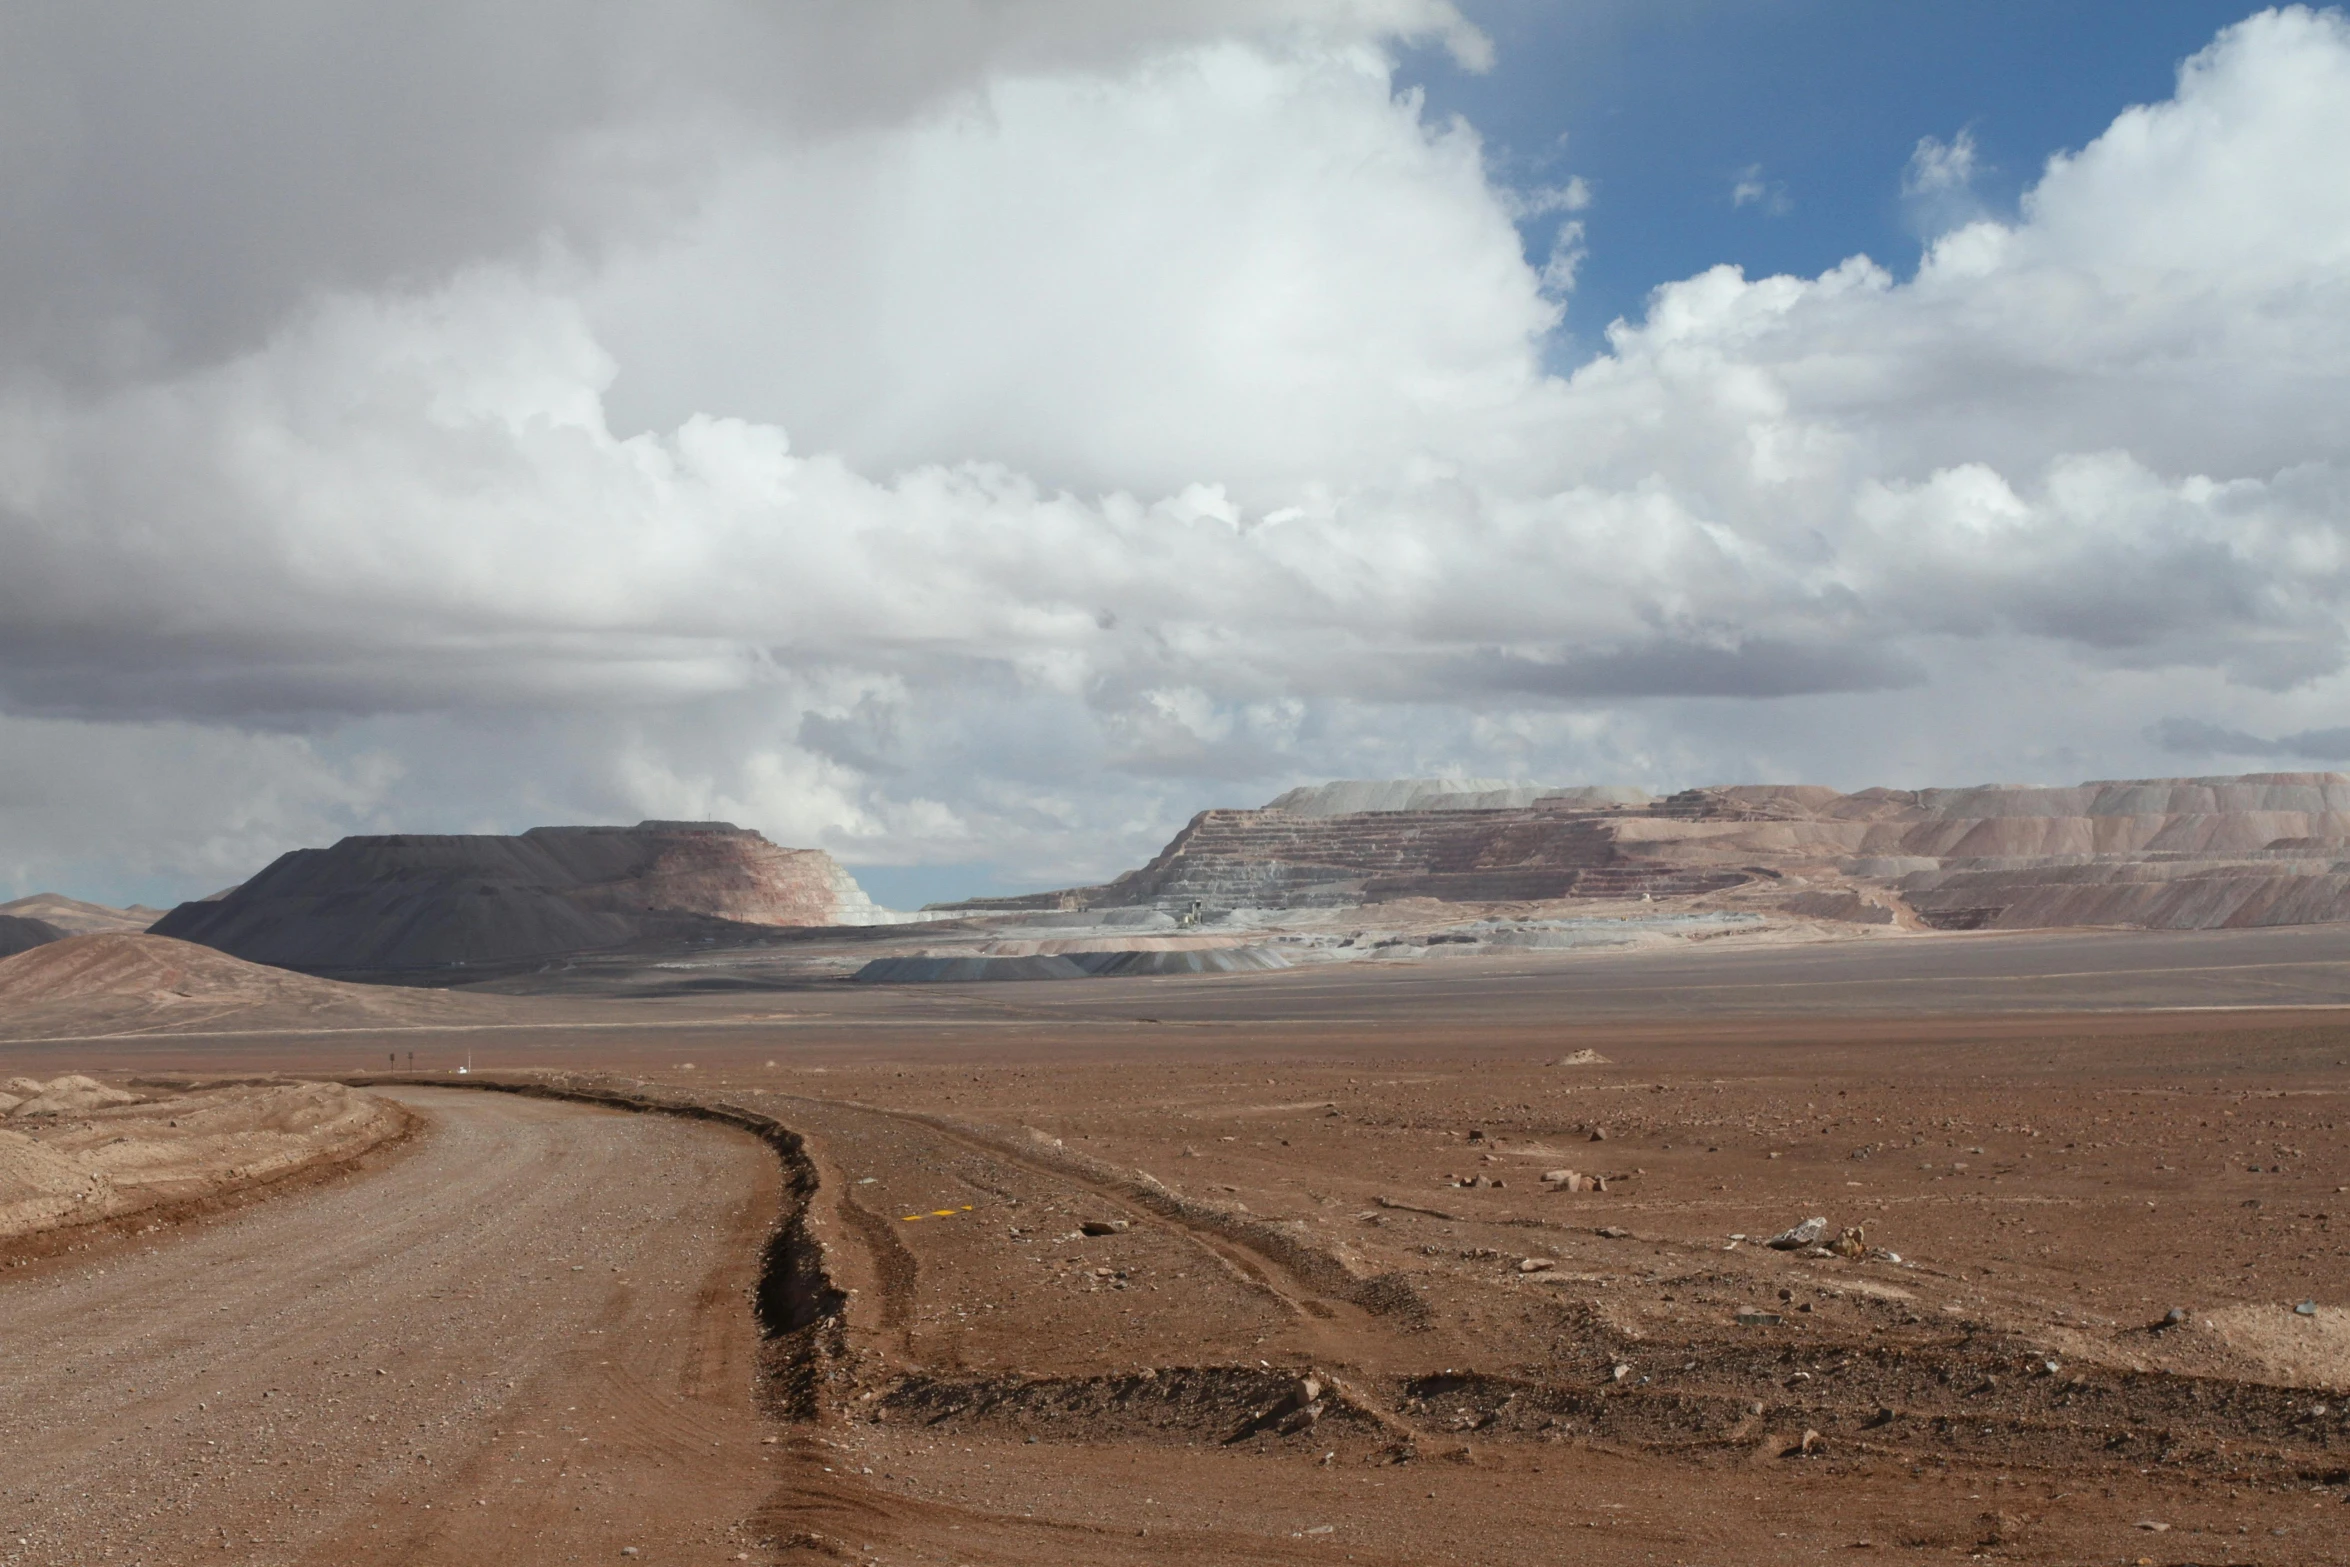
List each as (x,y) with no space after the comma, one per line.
(2283,1347)
(73,917)
(68,1095)
(116,1154)
(95,985)
(38,1187)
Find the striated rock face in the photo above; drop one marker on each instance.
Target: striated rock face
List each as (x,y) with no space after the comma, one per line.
(2163,853)
(1275,858)
(2159,853)
(420,901)
(1348,796)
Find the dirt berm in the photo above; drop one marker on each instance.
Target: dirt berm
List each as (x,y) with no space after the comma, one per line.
(77,1155)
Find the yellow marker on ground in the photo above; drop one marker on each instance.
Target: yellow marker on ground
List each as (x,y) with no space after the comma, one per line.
(935,1213)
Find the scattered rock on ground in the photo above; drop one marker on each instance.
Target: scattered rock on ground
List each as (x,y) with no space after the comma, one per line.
(1808,1233)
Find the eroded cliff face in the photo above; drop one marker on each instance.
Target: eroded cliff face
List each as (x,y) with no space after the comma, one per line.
(2164,853)
(2157,853)
(734,874)
(424,901)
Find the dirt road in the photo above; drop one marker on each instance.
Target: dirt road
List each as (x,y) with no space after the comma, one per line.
(528,1338)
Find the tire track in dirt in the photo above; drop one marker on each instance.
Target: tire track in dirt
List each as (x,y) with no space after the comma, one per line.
(1329,1329)
(1313,1284)
(893,1264)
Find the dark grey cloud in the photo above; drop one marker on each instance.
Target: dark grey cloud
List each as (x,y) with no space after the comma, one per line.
(2194,737)
(178,177)
(1757,668)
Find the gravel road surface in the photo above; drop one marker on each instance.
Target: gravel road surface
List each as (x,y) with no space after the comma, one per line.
(527,1338)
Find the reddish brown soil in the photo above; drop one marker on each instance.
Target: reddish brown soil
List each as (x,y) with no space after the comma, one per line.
(1005,1389)
(128,1168)
(525,1339)
(123,985)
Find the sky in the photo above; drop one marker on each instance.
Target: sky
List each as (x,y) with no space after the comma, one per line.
(972,437)
(1774,133)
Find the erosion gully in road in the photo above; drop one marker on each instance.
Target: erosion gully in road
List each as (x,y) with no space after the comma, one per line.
(527,1338)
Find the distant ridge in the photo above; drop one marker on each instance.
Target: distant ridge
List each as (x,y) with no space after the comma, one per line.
(2157,853)
(76,918)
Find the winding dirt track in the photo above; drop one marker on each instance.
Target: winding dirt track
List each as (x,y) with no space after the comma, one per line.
(528,1338)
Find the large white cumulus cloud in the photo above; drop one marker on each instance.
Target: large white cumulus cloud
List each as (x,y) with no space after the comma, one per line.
(1001,464)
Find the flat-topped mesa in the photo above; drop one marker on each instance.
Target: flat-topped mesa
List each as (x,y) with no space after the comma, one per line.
(411,901)
(2163,853)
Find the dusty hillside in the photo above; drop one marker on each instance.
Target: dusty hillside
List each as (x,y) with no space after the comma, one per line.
(78,1152)
(76,918)
(123,984)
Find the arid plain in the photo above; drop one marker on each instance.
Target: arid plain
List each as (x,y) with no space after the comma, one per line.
(1396,1173)
(1333,1312)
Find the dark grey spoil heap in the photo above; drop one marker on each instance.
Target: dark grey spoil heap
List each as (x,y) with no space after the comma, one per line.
(19,934)
(412,902)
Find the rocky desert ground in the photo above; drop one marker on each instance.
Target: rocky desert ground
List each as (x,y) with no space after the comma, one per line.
(1673,1221)
(1270,1267)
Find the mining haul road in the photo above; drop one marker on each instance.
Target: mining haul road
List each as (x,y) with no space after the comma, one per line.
(527,1337)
